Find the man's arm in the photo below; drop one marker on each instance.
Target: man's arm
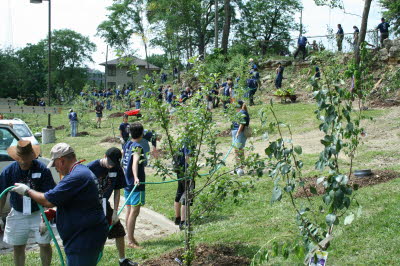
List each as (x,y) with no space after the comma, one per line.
(39,198)
(117,194)
(135,166)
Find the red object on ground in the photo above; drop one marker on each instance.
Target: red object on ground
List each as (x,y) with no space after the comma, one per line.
(132,112)
(50,214)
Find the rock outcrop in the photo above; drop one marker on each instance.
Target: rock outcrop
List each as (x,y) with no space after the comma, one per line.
(390,51)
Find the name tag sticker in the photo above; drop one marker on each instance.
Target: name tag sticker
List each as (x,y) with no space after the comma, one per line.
(104,203)
(36,175)
(26,206)
(112,174)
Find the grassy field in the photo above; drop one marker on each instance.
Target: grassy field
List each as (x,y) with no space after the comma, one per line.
(371,239)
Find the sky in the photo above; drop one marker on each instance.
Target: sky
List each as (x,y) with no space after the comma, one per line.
(22,22)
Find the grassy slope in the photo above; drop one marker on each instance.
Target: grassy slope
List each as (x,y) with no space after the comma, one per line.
(371,239)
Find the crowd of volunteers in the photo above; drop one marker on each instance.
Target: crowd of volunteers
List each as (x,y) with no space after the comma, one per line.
(80,205)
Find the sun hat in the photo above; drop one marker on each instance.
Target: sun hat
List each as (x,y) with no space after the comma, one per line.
(59,150)
(24,150)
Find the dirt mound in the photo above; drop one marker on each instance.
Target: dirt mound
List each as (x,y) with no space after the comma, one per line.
(204,255)
(225,133)
(60,127)
(378,177)
(385,103)
(111,140)
(82,133)
(118,114)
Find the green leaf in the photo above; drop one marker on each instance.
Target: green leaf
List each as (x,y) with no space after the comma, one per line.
(313,190)
(330,219)
(276,194)
(298,150)
(349,219)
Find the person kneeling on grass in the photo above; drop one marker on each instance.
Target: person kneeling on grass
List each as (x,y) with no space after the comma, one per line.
(111,178)
(134,163)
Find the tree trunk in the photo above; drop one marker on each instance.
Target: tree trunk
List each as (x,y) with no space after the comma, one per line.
(145,50)
(216,26)
(227,26)
(202,45)
(363,31)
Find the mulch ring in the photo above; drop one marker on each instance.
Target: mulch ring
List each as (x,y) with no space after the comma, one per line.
(60,127)
(111,140)
(118,114)
(82,133)
(378,177)
(204,255)
(385,103)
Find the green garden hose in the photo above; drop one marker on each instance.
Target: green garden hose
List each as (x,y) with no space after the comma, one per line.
(47,224)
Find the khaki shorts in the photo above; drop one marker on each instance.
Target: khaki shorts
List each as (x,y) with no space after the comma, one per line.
(20,227)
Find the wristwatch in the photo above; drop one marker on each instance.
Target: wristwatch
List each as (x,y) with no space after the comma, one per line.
(26,192)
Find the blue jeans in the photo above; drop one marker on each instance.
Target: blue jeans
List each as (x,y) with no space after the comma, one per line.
(137,105)
(108,104)
(78,259)
(74,128)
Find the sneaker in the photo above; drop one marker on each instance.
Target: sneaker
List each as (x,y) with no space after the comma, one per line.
(128,262)
(182,225)
(177,220)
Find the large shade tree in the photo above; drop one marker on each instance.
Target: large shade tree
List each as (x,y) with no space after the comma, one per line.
(266,24)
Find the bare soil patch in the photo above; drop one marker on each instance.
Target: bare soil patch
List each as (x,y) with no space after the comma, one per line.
(377,177)
(381,103)
(60,127)
(225,133)
(82,133)
(204,255)
(111,140)
(117,114)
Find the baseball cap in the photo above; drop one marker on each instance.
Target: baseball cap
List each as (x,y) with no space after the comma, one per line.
(59,150)
(114,155)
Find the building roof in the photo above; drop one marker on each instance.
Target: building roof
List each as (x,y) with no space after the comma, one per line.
(136,61)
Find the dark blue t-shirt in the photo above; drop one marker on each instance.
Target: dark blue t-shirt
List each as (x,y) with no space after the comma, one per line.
(243,118)
(73,116)
(124,128)
(38,177)
(108,179)
(129,148)
(384,27)
(80,218)
(169,97)
(340,31)
(302,41)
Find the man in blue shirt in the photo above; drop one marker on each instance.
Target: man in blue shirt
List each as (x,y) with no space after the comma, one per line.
(134,162)
(339,37)
(301,47)
(279,76)
(124,130)
(73,121)
(383,28)
(149,136)
(80,219)
(24,217)
(252,83)
(111,178)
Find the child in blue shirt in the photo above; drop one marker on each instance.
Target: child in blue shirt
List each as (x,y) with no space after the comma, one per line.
(133,163)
